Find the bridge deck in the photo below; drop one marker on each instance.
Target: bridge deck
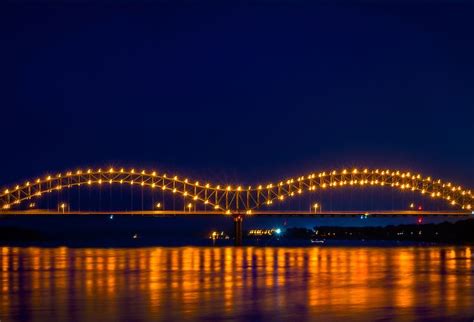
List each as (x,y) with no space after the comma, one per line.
(254,213)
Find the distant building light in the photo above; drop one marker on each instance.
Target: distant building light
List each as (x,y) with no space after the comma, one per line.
(264,232)
(218,235)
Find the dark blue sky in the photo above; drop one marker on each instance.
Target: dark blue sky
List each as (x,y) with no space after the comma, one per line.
(237,92)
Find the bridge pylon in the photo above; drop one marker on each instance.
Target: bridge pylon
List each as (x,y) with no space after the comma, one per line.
(238,228)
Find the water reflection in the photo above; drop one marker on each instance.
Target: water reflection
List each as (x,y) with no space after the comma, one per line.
(62,284)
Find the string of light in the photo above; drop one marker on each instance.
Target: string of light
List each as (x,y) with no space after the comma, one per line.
(236,198)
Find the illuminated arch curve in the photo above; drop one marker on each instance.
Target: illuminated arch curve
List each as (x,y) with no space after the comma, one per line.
(236,198)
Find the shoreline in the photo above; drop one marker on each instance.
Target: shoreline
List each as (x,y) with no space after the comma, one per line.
(113,234)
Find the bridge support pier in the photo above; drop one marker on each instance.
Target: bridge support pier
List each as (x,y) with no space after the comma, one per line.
(238,232)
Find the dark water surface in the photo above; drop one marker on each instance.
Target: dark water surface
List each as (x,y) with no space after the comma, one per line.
(237,284)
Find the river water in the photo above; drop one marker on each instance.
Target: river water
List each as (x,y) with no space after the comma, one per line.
(237,284)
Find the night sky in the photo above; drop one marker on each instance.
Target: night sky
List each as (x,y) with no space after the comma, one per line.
(234,92)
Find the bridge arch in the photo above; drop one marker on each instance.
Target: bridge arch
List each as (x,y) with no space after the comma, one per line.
(229,199)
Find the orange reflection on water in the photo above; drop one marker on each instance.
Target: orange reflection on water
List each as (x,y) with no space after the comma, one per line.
(192,283)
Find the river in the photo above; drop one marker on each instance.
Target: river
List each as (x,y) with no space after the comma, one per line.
(237,284)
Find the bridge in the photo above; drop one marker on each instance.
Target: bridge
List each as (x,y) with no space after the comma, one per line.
(236,201)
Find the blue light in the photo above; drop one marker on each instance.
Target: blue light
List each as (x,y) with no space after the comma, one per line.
(278,231)
(111,217)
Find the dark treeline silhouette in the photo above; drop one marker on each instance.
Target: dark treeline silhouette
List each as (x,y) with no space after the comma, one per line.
(299,233)
(460,231)
(457,232)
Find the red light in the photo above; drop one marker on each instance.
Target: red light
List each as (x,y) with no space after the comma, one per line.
(420,208)
(420,220)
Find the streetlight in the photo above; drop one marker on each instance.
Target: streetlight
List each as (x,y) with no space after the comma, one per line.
(190,205)
(62,206)
(158,205)
(315,206)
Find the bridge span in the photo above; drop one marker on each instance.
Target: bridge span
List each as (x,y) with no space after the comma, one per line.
(235,201)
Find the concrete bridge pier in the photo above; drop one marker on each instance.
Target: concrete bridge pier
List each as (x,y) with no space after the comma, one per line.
(238,231)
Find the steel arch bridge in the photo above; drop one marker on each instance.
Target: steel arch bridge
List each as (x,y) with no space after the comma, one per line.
(229,199)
